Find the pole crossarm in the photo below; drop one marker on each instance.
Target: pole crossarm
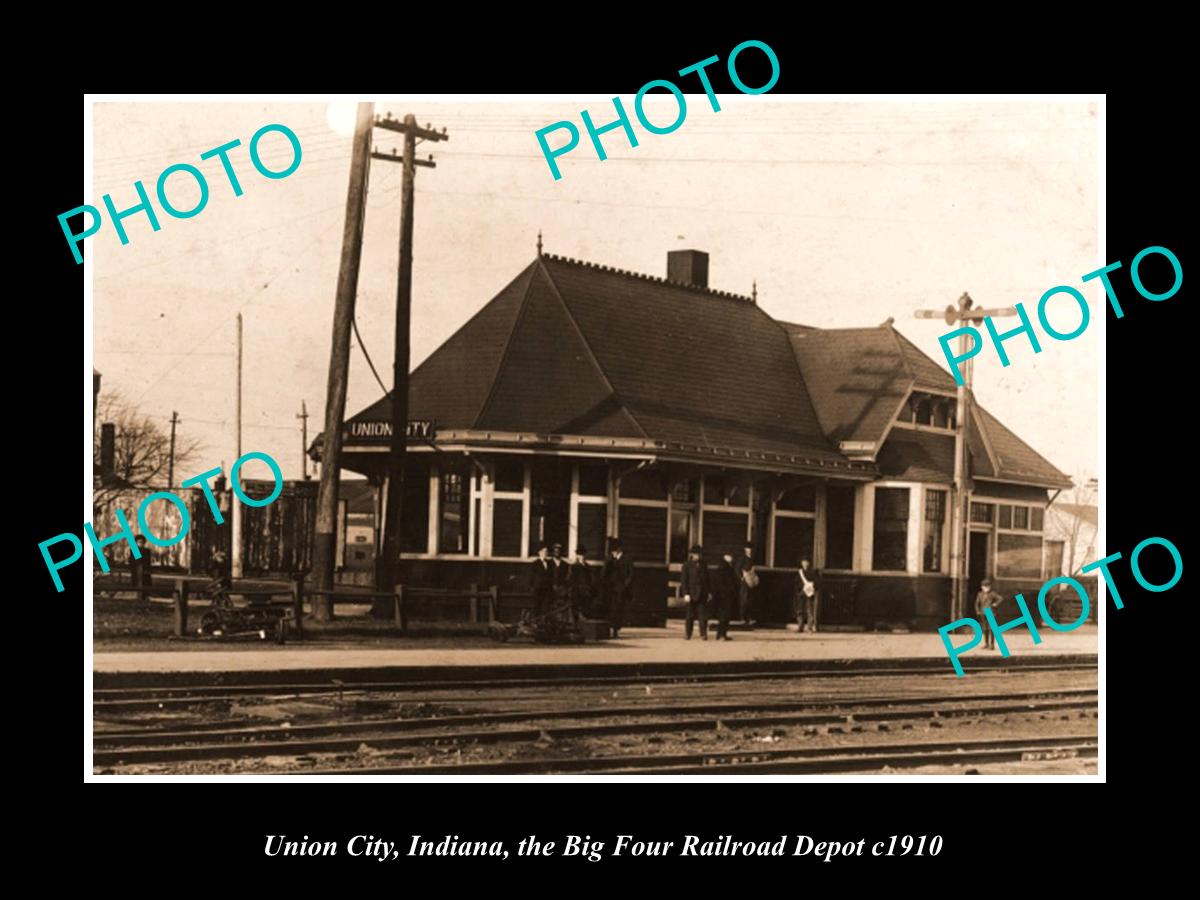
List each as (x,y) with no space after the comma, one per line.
(397,158)
(960,550)
(426,133)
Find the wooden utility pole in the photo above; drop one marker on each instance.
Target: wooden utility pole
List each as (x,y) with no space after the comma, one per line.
(171,452)
(960,513)
(389,563)
(325,538)
(235,558)
(303,417)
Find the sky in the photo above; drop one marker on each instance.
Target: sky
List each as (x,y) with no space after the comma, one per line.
(844,214)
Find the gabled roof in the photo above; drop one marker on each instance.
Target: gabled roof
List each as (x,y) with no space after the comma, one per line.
(859,376)
(1015,460)
(856,377)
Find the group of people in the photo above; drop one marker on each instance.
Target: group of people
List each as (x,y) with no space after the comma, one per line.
(706,593)
(572,586)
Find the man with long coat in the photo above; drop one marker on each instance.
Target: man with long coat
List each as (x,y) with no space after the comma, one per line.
(581,584)
(541,577)
(725,593)
(694,589)
(617,579)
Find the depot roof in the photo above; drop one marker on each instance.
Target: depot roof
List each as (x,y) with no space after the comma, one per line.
(572,352)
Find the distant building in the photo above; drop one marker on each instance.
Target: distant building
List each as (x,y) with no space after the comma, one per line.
(585,402)
(1071,531)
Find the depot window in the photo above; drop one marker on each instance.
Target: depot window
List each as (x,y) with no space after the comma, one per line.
(550,502)
(1020,518)
(935,529)
(983,513)
(890,552)
(723,490)
(928,411)
(839,527)
(454,506)
(414,521)
(509,500)
(794,526)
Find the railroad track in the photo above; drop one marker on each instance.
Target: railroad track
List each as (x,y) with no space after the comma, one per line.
(831,760)
(158,746)
(162,697)
(220,731)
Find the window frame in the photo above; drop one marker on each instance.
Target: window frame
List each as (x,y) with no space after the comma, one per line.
(777,513)
(945,528)
(870,560)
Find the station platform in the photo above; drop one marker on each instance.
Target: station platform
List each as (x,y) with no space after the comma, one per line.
(661,649)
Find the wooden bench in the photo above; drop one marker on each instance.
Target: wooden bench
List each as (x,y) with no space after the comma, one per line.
(390,600)
(113,583)
(405,598)
(408,596)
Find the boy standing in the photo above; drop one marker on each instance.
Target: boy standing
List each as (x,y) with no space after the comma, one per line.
(987,599)
(804,599)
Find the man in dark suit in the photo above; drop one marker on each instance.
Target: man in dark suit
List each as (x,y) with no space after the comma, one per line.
(804,599)
(541,578)
(618,584)
(580,585)
(725,593)
(560,570)
(694,589)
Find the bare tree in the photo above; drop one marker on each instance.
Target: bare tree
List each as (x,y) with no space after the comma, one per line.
(142,450)
(1071,519)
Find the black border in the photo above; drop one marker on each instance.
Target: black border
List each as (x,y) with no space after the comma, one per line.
(160,829)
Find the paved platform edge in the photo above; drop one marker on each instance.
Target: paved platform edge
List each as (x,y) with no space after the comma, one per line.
(352,675)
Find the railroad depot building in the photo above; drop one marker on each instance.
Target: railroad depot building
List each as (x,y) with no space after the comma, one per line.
(584,401)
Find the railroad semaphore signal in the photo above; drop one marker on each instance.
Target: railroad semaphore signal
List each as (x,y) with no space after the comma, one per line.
(962,314)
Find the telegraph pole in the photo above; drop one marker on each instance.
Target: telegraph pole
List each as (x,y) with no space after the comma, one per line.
(235,506)
(325,538)
(303,417)
(960,518)
(171,453)
(389,568)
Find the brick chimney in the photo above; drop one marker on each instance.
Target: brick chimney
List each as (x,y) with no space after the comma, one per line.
(688,266)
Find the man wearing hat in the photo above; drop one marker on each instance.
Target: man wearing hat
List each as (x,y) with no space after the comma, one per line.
(987,599)
(617,580)
(542,580)
(725,594)
(694,589)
